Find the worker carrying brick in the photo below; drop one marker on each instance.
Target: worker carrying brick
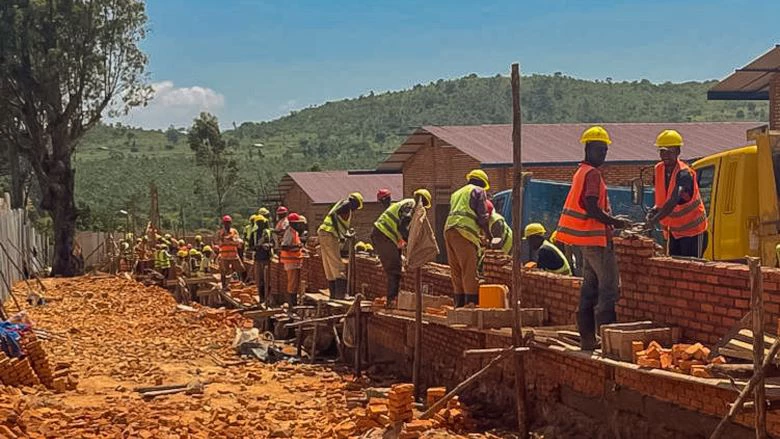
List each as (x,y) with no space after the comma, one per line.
(678,204)
(229,241)
(334,230)
(548,256)
(466,230)
(586,222)
(389,237)
(291,256)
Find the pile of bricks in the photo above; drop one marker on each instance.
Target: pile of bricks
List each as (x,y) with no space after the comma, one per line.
(434,394)
(17,372)
(690,359)
(454,417)
(375,415)
(400,399)
(38,359)
(414,429)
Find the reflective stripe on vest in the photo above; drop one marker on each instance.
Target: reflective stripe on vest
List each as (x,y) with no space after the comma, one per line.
(575,227)
(292,256)
(506,232)
(565,268)
(390,220)
(162,260)
(227,248)
(687,219)
(461,216)
(327,224)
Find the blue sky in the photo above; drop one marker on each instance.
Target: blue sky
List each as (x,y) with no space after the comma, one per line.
(252,60)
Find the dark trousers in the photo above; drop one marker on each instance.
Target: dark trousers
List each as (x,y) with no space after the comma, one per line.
(390,257)
(260,269)
(690,246)
(599,292)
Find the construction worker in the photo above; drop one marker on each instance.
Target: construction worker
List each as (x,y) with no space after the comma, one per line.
(262,243)
(206,259)
(291,256)
(198,243)
(500,231)
(678,204)
(384,197)
(162,261)
(282,223)
(228,250)
(586,222)
(334,230)
(466,229)
(548,256)
(389,236)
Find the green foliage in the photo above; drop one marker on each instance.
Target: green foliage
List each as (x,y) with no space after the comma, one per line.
(215,154)
(357,133)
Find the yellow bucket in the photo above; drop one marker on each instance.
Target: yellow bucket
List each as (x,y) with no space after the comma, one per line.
(493,296)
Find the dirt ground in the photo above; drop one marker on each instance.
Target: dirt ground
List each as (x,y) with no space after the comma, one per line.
(115,335)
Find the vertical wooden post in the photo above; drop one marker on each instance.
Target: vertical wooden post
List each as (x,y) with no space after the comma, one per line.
(417,330)
(358,335)
(757,313)
(517,224)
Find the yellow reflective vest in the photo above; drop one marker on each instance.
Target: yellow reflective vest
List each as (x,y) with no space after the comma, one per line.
(390,221)
(565,268)
(343,224)
(506,232)
(462,216)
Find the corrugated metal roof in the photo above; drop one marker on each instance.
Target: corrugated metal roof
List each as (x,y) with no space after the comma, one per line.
(331,186)
(751,81)
(491,145)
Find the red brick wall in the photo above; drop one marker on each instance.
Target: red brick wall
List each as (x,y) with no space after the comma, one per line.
(774,102)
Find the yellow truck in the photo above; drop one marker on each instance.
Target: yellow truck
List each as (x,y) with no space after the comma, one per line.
(740,189)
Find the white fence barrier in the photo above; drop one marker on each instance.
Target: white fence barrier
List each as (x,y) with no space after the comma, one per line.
(23,249)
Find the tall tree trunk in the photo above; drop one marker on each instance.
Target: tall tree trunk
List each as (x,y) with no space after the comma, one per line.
(60,202)
(17,181)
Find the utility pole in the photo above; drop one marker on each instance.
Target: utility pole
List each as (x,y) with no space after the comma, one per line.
(517,272)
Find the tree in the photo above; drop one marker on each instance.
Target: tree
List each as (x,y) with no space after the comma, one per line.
(172,134)
(62,63)
(215,154)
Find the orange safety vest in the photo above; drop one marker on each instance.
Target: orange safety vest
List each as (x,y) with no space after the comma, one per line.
(575,227)
(228,249)
(292,256)
(687,219)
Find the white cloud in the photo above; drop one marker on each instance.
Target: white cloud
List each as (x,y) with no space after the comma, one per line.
(174,105)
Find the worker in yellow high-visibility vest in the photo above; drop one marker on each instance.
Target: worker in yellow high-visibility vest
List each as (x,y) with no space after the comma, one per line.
(466,230)
(389,236)
(335,229)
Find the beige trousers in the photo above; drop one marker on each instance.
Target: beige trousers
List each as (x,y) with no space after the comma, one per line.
(331,256)
(462,257)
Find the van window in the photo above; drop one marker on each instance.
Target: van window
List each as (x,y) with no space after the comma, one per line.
(498,204)
(705,177)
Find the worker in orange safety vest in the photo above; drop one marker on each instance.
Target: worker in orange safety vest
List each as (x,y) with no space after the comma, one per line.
(586,222)
(678,204)
(228,251)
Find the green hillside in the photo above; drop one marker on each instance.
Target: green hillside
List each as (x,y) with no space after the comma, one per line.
(115,164)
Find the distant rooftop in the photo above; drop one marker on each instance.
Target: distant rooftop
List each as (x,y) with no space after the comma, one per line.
(751,81)
(546,144)
(329,187)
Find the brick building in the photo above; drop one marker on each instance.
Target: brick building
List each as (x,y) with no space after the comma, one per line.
(759,80)
(550,152)
(314,193)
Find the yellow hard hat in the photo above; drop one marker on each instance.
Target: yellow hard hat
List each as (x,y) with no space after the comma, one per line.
(207,248)
(479,175)
(264,212)
(668,139)
(554,236)
(198,238)
(369,247)
(360,246)
(181,242)
(252,218)
(425,194)
(182,253)
(534,229)
(595,133)
(359,197)
(194,252)
(168,236)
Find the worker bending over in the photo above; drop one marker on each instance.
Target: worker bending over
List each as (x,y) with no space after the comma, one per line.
(389,236)
(292,256)
(228,251)
(548,256)
(586,222)
(678,205)
(466,228)
(334,230)
(499,230)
